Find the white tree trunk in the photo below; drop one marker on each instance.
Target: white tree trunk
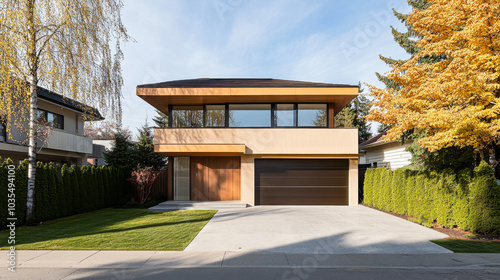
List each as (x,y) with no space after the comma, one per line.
(32,150)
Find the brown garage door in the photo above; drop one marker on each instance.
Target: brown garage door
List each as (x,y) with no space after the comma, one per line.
(301,181)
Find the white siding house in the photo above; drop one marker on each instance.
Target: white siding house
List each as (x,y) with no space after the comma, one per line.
(379,153)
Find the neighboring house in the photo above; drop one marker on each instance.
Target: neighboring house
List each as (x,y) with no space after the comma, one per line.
(98,149)
(380,153)
(260,141)
(65,143)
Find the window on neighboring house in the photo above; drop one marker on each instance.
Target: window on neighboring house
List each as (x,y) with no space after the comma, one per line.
(3,132)
(310,115)
(215,115)
(187,116)
(51,119)
(249,115)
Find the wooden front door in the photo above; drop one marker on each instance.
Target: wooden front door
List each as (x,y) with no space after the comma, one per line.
(215,178)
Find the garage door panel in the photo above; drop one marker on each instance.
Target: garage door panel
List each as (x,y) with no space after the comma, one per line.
(301,182)
(303,196)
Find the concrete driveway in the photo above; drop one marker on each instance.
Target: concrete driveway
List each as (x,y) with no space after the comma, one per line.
(314,230)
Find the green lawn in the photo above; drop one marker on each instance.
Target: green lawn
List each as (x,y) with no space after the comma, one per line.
(113,229)
(469,246)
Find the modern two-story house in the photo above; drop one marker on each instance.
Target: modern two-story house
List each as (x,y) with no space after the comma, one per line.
(259,141)
(65,142)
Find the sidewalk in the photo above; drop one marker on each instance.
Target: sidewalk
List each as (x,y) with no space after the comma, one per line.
(231,259)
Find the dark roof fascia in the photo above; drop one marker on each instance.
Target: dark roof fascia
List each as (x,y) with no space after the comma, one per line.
(68,103)
(242,83)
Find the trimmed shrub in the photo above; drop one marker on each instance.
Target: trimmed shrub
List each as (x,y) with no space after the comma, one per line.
(484,200)
(469,200)
(62,191)
(75,190)
(53,188)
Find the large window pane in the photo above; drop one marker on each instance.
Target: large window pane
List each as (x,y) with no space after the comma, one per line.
(284,115)
(312,115)
(187,116)
(215,116)
(250,115)
(41,116)
(181,178)
(55,120)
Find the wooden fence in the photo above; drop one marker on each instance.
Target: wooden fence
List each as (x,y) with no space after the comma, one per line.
(160,186)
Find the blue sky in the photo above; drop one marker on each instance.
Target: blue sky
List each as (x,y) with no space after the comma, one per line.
(332,41)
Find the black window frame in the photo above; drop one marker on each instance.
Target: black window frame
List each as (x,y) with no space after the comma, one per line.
(273,109)
(314,126)
(46,118)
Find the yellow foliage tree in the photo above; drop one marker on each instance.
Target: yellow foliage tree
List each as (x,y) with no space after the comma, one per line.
(455,100)
(65,46)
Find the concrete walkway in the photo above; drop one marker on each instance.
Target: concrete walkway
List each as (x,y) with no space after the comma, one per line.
(173,259)
(314,229)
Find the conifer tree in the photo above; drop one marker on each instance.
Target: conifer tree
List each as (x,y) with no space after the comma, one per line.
(122,151)
(161,120)
(145,155)
(352,115)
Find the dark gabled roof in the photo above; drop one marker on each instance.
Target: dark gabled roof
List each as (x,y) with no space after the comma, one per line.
(372,140)
(239,83)
(68,103)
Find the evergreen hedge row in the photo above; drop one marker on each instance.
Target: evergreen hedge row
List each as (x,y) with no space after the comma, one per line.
(63,190)
(467,199)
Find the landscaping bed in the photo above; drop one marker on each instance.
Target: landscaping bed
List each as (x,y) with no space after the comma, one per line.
(113,229)
(459,241)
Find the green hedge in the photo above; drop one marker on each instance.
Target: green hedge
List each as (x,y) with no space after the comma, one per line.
(63,190)
(468,199)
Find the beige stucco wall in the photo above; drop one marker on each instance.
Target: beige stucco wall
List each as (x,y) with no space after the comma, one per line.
(248,180)
(296,141)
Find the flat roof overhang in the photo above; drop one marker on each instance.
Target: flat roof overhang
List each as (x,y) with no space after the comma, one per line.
(200,149)
(161,98)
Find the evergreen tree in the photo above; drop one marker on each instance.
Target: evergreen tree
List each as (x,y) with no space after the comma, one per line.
(145,155)
(122,151)
(404,39)
(361,108)
(353,115)
(345,118)
(161,120)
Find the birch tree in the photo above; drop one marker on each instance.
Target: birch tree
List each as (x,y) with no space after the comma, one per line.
(68,46)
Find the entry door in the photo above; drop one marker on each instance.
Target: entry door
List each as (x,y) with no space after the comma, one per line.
(181,178)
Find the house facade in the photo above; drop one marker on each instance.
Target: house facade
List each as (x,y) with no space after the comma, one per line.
(379,153)
(259,141)
(65,142)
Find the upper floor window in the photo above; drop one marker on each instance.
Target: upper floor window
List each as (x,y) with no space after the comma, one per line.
(312,115)
(187,116)
(51,119)
(215,116)
(285,115)
(249,115)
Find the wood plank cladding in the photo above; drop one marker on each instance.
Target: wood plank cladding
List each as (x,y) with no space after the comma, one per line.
(215,178)
(301,181)
(331,115)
